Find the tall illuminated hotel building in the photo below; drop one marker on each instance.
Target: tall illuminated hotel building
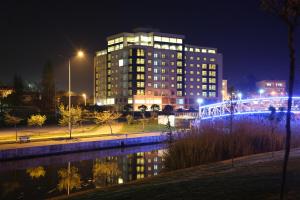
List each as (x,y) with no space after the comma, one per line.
(148,67)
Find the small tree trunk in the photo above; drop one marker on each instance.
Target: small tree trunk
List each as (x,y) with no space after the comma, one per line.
(291,31)
(110,128)
(16,132)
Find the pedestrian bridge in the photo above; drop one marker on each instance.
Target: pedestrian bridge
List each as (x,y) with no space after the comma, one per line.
(241,107)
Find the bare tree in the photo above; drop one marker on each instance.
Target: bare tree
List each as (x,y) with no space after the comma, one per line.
(106,118)
(288,11)
(14,121)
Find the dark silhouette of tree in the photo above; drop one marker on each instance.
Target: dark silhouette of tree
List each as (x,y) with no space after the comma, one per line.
(48,88)
(168,110)
(143,109)
(288,11)
(232,105)
(128,108)
(13,121)
(274,118)
(154,108)
(16,97)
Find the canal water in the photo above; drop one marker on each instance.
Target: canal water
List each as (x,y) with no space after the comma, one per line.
(45,177)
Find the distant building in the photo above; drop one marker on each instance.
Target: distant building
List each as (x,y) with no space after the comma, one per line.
(150,67)
(269,88)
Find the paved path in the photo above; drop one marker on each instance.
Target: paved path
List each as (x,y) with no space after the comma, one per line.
(55,142)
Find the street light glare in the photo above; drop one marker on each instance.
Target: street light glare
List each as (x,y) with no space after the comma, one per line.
(200,101)
(80,54)
(261,91)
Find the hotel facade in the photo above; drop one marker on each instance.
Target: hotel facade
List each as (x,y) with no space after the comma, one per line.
(156,68)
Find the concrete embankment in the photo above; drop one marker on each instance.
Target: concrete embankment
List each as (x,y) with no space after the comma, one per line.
(32,149)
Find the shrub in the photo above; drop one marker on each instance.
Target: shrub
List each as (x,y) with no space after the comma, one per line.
(212,142)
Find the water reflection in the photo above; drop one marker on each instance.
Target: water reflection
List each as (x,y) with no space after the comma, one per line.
(105,172)
(69,179)
(36,172)
(91,170)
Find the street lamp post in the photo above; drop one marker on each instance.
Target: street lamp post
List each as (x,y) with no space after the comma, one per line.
(261,91)
(80,54)
(199,101)
(240,95)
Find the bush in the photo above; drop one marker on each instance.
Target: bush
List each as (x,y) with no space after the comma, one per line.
(211,142)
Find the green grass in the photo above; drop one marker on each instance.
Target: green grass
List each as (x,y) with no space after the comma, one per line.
(93,131)
(138,128)
(248,181)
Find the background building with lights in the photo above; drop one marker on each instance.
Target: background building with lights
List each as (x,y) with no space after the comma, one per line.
(270,88)
(147,67)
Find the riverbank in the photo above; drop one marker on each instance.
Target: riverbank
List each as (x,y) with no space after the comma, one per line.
(252,177)
(52,147)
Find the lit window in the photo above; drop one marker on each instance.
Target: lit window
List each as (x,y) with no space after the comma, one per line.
(121,63)
(204,66)
(157,38)
(165,39)
(212,51)
(212,80)
(212,66)
(191,72)
(204,50)
(212,59)
(204,73)
(204,94)
(179,55)
(204,80)
(179,63)
(212,73)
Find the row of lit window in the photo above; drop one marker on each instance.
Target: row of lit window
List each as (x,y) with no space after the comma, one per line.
(167,39)
(204,94)
(198,50)
(198,58)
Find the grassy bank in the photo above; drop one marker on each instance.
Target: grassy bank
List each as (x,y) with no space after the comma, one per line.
(90,131)
(253,177)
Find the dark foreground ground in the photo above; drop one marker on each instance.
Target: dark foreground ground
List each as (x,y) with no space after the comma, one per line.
(253,177)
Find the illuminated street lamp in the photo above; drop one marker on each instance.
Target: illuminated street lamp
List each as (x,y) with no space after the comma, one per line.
(261,91)
(84,97)
(80,54)
(240,95)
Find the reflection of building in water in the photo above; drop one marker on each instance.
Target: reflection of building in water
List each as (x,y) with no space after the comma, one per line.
(121,169)
(144,164)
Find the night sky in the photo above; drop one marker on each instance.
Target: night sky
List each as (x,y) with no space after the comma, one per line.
(253,42)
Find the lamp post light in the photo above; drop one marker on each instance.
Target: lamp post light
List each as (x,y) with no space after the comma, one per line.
(84,97)
(200,102)
(80,54)
(261,91)
(240,95)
